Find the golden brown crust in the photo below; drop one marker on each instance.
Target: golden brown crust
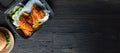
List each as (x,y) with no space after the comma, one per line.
(37,12)
(26,32)
(29,21)
(24,24)
(3,41)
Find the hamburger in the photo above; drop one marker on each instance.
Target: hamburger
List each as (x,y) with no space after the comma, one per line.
(4,40)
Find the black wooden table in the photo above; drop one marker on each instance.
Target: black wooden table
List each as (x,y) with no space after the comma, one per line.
(79,26)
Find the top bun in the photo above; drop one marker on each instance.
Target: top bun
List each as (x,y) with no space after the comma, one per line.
(3,41)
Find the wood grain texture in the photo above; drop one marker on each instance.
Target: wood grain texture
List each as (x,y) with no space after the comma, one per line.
(79,26)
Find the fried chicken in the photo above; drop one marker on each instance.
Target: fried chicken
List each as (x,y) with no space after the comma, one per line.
(24,25)
(29,21)
(26,32)
(37,12)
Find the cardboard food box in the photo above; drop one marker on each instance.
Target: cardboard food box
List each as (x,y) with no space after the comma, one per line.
(26,16)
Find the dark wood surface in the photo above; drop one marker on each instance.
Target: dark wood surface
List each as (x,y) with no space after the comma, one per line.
(79,26)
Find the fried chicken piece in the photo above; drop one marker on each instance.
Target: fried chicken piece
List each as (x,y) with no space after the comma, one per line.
(34,19)
(37,12)
(24,25)
(27,33)
(36,7)
(28,18)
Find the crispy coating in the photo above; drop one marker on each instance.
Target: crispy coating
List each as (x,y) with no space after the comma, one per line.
(37,12)
(34,18)
(29,21)
(26,32)
(24,25)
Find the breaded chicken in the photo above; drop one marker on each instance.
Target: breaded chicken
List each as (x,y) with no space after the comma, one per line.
(37,12)
(29,21)
(24,25)
(27,33)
